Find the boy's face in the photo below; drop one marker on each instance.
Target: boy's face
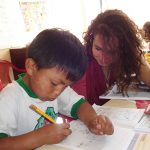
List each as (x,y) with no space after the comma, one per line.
(47,84)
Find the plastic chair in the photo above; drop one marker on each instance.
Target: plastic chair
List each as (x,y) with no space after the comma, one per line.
(5,72)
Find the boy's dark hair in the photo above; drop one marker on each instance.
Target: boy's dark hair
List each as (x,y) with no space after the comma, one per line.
(57,47)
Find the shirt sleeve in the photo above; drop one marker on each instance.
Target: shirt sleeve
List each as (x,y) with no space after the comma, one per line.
(69,100)
(8,118)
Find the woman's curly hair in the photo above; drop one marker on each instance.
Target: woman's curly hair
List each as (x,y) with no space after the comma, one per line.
(115,23)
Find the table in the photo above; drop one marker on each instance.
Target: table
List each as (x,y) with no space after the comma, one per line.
(121,103)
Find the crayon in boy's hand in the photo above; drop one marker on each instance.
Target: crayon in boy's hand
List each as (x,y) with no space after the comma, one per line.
(42,113)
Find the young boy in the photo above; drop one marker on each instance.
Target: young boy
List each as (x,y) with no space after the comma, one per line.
(55,60)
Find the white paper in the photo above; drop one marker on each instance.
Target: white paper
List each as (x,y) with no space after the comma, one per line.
(143,94)
(144,124)
(82,138)
(125,117)
(58,147)
(124,120)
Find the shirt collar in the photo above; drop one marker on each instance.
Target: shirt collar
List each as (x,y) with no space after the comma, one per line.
(24,86)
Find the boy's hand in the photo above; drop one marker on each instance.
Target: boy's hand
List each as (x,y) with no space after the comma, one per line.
(54,133)
(101,125)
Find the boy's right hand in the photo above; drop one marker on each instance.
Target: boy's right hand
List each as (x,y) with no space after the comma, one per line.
(54,133)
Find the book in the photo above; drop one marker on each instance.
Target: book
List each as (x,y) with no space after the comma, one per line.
(58,147)
(143,125)
(134,93)
(124,120)
(142,143)
(82,138)
(125,117)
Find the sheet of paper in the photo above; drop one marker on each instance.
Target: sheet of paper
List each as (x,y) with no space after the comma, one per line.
(142,142)
(126,117)
(142,94)
(82,138)
(58,147)
(143,125)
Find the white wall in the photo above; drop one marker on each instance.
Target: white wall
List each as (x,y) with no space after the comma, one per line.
(11,24)
(138,10)
(73,15)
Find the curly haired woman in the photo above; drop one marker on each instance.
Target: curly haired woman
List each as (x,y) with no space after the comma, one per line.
(146,35)
(114,47)
(146,29)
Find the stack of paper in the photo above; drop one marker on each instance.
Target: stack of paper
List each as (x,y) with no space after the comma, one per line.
(124,117)
(133,94)
(124,120)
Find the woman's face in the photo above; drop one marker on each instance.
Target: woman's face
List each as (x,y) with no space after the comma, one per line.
(102,52)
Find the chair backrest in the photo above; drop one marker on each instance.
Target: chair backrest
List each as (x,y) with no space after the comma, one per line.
(5,72)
